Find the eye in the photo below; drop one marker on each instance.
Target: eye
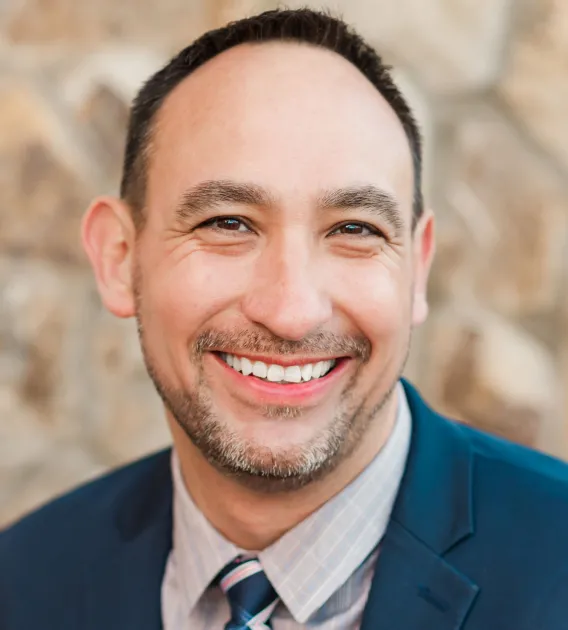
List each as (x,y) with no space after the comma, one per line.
(226,224)
(356,229)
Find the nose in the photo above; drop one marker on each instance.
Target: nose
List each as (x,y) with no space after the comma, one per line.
(287,293)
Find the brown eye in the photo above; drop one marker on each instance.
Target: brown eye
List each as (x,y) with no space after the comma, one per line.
(227,224)
(353,228)
(356,229)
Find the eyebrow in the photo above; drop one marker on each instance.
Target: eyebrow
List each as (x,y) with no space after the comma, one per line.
(377,201)
(210,194)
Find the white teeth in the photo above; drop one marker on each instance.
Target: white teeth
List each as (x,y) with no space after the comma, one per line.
(293,374)
(316,372)
(259,369)
(277,373)
(246,366)
(307,371)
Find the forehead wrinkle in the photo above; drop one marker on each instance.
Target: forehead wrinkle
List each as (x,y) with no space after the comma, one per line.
(368,197)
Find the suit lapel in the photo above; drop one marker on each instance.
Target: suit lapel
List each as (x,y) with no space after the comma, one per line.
(414,587)
(124,583)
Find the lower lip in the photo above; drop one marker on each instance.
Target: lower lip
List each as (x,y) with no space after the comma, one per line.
(291,393)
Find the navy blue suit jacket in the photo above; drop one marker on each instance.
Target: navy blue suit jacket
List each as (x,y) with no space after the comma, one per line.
(478,540)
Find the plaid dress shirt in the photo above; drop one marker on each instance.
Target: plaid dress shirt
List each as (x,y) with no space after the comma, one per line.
(322,568)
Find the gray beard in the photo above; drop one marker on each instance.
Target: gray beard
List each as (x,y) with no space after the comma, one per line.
(255,465)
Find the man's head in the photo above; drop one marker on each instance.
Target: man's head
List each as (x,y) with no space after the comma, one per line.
(271,220)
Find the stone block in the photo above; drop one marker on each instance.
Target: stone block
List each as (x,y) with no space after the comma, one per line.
(513,208)
(167,23)
(106,115)
(61,470)
(129,420)
(25,438)
(450,47)
(491,374)
(44,195)
(74,394)
(450,278)
(97,89)
(42,327)
(422,109)
(534,83)
(119,68)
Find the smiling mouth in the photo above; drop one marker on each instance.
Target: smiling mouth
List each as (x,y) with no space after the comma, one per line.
(280,374)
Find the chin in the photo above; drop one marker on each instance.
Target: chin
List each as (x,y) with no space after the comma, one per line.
(280,428)
(277,467)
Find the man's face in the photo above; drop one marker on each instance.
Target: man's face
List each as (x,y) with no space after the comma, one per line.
(278,240)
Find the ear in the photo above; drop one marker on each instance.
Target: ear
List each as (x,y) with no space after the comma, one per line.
(108,236)
(423,254)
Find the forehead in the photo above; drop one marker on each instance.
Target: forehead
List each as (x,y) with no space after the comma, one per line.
(291,117)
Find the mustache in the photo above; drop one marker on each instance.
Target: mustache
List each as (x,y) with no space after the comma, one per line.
(244,341)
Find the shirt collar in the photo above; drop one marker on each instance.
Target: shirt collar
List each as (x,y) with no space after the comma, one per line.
(199,550)
(315,558)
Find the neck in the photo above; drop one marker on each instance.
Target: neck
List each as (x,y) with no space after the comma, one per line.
(253,520)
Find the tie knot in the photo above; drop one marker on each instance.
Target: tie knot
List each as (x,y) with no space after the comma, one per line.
(251,596)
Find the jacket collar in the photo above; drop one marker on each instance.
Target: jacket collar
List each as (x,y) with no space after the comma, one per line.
(435,497)
(414,585)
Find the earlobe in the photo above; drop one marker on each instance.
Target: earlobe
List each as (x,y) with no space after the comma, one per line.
(108,237)
(419,309)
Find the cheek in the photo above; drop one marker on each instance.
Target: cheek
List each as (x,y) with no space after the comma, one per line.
(184,297)
(375,298)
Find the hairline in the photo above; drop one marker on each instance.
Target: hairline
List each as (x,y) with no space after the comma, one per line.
(141,164)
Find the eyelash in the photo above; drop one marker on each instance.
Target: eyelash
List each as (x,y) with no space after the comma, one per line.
(210,223)
(373,231)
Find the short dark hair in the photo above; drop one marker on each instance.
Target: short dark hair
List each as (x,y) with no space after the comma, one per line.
(306,26)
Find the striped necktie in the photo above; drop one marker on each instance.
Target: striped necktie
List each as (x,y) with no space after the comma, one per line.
(251,596)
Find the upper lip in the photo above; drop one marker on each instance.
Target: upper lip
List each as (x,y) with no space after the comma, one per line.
(284,360)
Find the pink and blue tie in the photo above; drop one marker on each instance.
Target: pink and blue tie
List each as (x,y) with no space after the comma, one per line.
(251,596)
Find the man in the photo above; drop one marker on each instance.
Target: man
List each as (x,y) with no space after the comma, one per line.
(271,241)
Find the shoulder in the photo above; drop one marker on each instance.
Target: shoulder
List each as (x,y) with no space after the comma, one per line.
(56,537)
(520,501)
(518,491)
(519,546)
(85,503)
(532,474)
(505,476)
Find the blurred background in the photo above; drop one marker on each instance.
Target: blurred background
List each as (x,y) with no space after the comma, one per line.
(489,82)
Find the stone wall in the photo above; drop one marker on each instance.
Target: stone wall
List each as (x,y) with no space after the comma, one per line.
(489,80)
